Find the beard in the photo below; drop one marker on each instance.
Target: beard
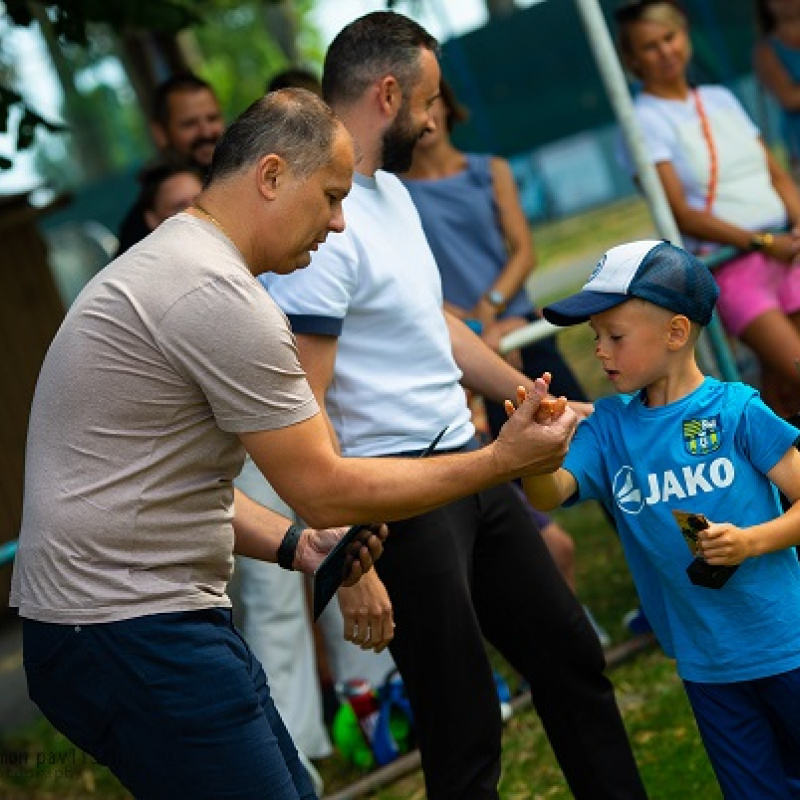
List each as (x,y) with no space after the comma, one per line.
(399,141)
(198,144)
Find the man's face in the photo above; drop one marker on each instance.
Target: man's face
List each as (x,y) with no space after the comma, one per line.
(311,207)
(414,117)
(194,126)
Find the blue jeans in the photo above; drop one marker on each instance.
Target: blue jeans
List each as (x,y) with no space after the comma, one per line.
(174,704)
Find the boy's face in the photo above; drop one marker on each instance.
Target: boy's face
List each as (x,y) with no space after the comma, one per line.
(631,343)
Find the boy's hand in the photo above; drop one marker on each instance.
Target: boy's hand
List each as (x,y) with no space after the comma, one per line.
(539,447)
(724,544)
(550,408)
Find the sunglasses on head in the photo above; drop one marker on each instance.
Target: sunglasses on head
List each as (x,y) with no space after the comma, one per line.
(631,12)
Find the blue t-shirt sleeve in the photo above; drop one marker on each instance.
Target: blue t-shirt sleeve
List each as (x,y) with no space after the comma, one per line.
(584,461)
(765,437)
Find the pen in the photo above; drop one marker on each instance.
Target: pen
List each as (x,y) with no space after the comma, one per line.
(432,446)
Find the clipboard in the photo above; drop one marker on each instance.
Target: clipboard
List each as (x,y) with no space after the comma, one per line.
(331,572)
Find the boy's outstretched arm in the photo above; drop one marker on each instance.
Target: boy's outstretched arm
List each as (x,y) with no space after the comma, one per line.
(549,490)
(546,492)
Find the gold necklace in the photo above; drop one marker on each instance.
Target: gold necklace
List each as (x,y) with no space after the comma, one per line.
(212,219)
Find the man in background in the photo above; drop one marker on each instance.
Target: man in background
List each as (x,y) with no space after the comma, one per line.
(387,362)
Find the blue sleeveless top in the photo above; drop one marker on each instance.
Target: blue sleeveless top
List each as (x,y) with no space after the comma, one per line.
(460,218)
(790,58)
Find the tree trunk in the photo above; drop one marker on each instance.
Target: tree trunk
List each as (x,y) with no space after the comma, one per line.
(89,140)
(150,58)
(281,22)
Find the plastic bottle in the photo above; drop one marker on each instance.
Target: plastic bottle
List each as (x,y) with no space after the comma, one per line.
(393,734)
(364,701)
(349,739)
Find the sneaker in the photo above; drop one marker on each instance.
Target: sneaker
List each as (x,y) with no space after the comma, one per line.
(602,633)
(636,622)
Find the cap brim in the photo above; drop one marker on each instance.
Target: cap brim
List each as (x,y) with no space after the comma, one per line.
(581,306)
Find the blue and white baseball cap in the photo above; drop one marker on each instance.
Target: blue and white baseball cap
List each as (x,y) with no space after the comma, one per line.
(651,270)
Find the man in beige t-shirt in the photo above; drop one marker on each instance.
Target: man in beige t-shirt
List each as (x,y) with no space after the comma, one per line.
(170,364)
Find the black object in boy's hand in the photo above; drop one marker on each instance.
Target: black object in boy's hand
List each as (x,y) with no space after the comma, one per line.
(332,571)
(700,572)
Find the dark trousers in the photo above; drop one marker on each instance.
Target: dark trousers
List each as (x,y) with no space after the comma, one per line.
(479,568)
(176,705)
(751,730)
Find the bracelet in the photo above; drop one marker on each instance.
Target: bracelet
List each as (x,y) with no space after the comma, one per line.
(475,325)
(288,548)
(762,241)
(497,299)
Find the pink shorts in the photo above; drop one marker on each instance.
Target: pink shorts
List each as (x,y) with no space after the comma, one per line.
(753,284)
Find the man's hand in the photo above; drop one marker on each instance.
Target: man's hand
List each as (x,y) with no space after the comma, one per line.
(314,545)
(536,437)
(367,612)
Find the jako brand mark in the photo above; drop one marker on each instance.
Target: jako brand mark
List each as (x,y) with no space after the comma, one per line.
(719,474)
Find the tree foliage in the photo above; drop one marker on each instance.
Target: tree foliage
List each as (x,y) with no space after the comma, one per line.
(74,22)
(29,121)
(71,18)
(237,62)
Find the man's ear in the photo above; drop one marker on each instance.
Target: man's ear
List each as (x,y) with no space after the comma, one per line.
(271,170)
(390,97)
(150,219)
(679,332)
(159,135)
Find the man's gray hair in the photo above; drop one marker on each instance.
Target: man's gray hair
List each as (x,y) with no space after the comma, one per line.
(292,123)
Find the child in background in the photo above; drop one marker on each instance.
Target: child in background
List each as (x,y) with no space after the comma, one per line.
(169,185)
(676,440)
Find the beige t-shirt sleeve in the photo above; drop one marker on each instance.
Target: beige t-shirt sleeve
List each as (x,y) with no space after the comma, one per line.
(230,338)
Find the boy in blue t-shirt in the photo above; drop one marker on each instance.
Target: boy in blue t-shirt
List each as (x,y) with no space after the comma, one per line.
(675,440)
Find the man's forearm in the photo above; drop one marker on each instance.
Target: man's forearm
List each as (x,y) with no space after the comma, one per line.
(327,490)
(258,530)
(484,371)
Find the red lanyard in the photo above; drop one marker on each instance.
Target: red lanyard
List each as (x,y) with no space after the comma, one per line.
(712,150)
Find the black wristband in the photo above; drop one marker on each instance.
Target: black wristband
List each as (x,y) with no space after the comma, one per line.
(288,548)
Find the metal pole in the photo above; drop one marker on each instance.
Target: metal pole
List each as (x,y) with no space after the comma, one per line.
(619,96)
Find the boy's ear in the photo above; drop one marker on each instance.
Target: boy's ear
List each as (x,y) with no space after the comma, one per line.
(679,332)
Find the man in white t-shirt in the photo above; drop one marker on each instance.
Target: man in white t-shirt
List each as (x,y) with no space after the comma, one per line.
(387,363)
(170,364)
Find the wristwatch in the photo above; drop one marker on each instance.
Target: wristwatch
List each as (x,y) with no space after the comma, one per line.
(496,299)
(761,241)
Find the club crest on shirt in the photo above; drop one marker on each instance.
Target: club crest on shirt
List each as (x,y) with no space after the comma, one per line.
(702,436)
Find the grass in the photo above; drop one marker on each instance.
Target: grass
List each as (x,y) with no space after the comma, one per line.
(662,731)
(588,235)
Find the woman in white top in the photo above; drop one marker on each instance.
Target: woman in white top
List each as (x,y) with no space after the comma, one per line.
(724,188)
